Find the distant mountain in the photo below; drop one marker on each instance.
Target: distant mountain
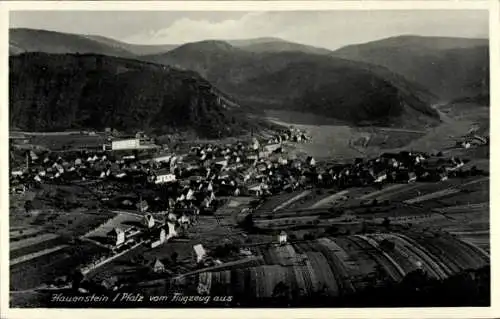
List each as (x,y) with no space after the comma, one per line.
(260,45)
(30,40)
(61,91)
(351,91)
(449,67)
(135,49)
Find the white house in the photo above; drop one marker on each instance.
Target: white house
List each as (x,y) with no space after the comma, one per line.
(255,190)
(200,252)
(158,266)
(149,221)
(222,162)
(118,236)
(255,144)
(17,173)
(163,158)
(282,238)
(121,175)
(126,144)
(164,176)
(171,230)
(163,236)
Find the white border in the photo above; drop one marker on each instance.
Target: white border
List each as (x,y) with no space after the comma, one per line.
(6,6)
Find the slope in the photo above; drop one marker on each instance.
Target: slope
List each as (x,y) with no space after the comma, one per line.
(30,40)
(302,81)
(260,45)
(55,92)
(136,49)
(449,67)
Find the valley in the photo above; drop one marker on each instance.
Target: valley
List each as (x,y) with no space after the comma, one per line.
(274,173)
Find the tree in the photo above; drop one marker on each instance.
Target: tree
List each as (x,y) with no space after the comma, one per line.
(174,256)
(280,290)
(28,206)
(386,222)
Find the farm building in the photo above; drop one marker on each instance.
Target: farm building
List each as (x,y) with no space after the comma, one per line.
(345,265)
(164,176)
(149,221)
(199,252)
(127,144)
(118,236)
(158,266)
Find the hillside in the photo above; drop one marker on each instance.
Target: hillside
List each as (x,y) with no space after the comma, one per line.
(260,45)
(136,49)
(449,67)
(30,40)
(56,92)
(347,90)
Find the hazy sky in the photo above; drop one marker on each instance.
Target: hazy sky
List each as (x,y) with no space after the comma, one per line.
(329,29)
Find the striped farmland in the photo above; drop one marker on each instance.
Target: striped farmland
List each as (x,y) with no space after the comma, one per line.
(341,266)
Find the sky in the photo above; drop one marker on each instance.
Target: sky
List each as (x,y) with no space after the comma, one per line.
(328,29)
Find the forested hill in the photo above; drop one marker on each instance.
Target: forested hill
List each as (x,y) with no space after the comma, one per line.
(62,91)
(328,86)
(452,68)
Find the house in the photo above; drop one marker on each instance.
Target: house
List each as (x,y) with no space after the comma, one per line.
(269,148)
(255,190)
(158,266)
(222,162)
(412,177)
(171,230)
(126,144)
(149,221)
(282,238)
(121,175)
(380,177)
(118,236)
(255,144)
(17,173)
(164,176)
(163,235)
(199,252)
(311,161)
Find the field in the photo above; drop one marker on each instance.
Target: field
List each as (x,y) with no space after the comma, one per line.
(68,141)
(122,221)
(35,272)
(332,139)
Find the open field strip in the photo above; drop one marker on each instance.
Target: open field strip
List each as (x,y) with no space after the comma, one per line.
(434,195)
(329,199)
(24,232)
(444,192)
(108,226)
(395,191)
(32,241)
(36,255)
(383,191)
(475,232)
(102,263)
(464,208)
(292,200)
(222,266)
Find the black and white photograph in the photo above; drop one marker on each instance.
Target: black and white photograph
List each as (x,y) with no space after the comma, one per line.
(249,159)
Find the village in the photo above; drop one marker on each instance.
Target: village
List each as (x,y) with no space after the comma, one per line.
(134,212)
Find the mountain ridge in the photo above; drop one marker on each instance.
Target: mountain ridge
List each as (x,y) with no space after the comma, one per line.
(449,67)
(61,91)
(283,79)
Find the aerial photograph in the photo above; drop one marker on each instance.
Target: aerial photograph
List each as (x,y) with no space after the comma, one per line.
(249,159)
